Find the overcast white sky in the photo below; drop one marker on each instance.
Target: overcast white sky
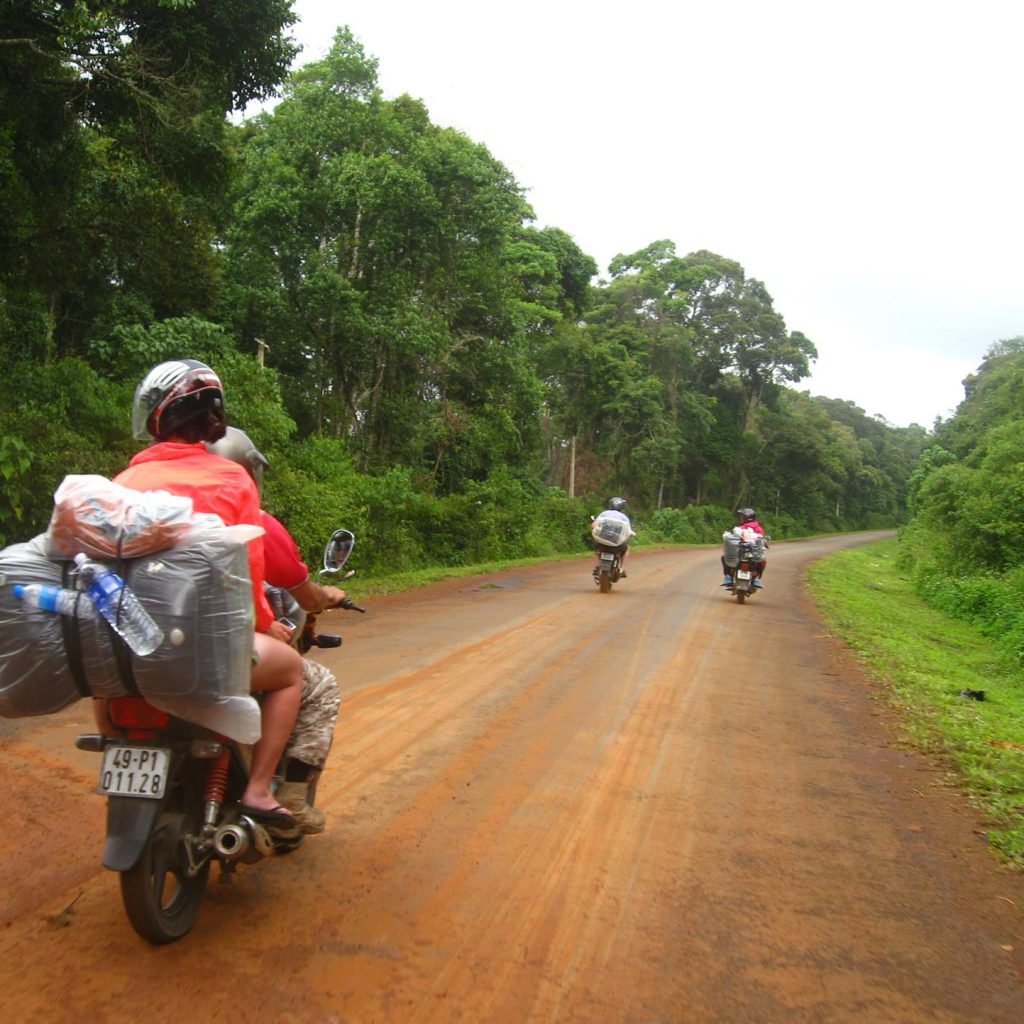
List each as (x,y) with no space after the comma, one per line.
(863,160)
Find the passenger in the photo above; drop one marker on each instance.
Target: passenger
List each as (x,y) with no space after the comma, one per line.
(310,742)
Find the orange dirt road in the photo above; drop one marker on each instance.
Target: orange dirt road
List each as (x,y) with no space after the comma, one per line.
(551,805)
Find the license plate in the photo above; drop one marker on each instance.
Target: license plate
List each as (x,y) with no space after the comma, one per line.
(135,771)
(743,574)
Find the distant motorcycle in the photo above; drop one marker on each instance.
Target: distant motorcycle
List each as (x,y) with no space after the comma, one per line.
(609,536)
(608,570)
(744,553)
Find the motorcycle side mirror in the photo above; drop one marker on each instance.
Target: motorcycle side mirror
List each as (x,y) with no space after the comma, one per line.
(339,547)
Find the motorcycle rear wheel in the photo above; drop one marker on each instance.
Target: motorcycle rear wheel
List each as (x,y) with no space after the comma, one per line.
(160,899)
(741,596)
(606,583)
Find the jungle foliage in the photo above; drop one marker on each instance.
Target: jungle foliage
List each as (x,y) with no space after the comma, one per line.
(966,496)
(419,360)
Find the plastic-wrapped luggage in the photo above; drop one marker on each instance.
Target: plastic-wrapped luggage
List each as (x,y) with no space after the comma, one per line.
(731,546)
(610,532)
(104,520)
(199,594)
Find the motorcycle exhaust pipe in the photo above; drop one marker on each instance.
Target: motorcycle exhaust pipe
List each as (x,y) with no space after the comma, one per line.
(248,839)
(231,841)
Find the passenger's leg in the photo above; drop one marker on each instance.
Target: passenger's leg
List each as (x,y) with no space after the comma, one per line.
(278,676)
(310,744)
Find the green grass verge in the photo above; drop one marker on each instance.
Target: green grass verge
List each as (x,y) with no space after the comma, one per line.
(923,660)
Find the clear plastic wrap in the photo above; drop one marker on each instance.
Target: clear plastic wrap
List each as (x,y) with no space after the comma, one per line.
(731,545)
(731,549)
(34,675)
(200,596)
(610,532)
(105,520)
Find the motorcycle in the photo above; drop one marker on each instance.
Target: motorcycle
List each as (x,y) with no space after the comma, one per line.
(747,553)
(173,793)
(609,568)
(607,538)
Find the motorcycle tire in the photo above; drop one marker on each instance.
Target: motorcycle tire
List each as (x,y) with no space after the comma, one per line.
(605,583)
(160,899)
(741,596)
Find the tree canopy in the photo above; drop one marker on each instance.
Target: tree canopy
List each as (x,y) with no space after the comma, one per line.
(396,331)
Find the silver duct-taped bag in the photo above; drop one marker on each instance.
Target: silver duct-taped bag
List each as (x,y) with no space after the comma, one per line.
(731,546)
(199,594)
(610,532)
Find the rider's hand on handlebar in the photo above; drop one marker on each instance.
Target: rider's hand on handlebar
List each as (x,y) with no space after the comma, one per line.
(333,596)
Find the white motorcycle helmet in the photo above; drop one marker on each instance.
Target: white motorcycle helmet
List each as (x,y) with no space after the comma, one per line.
(177,396)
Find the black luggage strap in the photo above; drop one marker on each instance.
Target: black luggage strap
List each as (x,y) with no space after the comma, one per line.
(122,655)
(73,643)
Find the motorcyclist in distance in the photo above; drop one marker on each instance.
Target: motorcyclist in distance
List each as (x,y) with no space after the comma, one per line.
(310,742)
(746,519)
(614,510)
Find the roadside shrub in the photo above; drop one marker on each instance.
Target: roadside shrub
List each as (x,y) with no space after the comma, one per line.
(786,527)
(669,526)
(976,599)
(559,524)
(989,601)
(708,521)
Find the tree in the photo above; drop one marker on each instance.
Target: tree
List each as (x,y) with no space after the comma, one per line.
(992,395)
(389,265)
(112,153)
(701,328)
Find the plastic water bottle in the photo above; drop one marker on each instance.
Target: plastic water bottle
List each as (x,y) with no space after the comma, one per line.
(56,599)
(120,607)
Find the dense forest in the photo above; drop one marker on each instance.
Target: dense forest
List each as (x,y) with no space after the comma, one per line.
(966,502)
(418,360)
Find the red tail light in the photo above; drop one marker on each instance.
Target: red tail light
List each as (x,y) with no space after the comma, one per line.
(134,714)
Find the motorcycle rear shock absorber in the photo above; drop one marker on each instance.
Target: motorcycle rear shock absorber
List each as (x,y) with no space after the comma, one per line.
(216,786)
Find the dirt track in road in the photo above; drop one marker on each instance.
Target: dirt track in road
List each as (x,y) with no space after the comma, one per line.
(551,805)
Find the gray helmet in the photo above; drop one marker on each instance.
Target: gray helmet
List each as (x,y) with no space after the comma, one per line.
(237,446)
(174,394)
(745,515)
(616,504)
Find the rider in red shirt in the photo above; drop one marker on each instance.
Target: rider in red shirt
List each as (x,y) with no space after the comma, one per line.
(748,520)
(214,485)
(179,405)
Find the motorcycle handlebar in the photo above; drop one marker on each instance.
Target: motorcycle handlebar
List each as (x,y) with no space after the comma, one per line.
(349,605)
